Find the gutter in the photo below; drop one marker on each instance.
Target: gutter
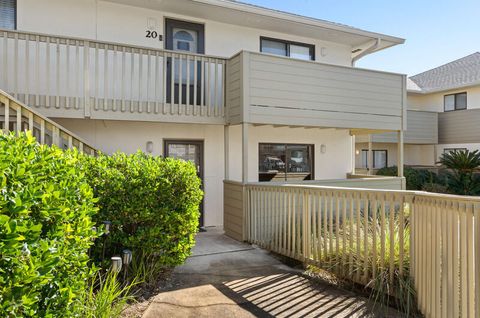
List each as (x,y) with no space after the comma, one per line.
(367,51)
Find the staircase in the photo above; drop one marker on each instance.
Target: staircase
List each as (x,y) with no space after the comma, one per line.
(17,117)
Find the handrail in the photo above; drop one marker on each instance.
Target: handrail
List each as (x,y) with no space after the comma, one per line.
(87,78)
(25,118)
(360,234)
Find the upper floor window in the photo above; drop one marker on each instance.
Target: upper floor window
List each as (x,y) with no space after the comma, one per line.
(455,101)
(8,14)
(287,48)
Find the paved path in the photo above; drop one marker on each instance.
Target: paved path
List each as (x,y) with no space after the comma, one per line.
(225,278)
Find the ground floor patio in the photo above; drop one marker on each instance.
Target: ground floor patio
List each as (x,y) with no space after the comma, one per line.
(226,278)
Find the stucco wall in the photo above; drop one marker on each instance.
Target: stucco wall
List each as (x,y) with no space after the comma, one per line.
(335,163)
(102,20)
(422,155)
(434,102)
(130,136)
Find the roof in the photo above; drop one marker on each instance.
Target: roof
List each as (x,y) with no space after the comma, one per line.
(460,73)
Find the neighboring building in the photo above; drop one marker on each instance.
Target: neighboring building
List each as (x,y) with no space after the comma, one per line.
(443,115)
(249,94)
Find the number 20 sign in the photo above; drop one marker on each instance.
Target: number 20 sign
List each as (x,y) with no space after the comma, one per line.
(153,35)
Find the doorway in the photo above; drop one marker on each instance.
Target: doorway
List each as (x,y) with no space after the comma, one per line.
(188,150)
(187,37)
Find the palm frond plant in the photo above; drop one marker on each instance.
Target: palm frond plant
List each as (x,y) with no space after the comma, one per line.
(462,164)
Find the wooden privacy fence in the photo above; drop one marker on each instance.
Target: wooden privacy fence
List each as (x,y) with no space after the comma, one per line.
(17,117)
(360,234)
(86,78)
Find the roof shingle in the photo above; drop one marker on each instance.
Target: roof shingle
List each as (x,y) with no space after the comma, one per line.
(459,73)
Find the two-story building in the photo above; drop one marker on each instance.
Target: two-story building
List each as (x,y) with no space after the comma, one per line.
(248,94)
(443,115)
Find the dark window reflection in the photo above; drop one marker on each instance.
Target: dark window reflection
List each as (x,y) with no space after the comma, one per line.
(285,162)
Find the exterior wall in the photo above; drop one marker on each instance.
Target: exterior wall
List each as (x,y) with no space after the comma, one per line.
(335,163)
(107,21)
(130,136)
(415,155)
(434,101)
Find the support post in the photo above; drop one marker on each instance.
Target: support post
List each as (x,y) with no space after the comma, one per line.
(226,136)
(354,158)
(370,155)
(400,153)
(244,152)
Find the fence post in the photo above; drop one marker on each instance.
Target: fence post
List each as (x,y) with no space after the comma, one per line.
(305,234)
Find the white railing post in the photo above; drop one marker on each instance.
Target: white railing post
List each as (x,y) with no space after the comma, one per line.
(86,79)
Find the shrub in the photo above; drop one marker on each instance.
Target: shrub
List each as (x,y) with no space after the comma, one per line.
(45,229)
(461,178)
(415,178)
(152,202)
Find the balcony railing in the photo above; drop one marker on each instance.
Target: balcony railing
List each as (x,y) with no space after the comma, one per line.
(360,234)
(78,78)
(16,117)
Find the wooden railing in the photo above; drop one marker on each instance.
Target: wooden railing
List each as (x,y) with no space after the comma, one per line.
(17,117)
(360,234)
(76,78)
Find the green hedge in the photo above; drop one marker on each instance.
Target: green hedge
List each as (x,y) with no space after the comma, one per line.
(45,229)
(152,202)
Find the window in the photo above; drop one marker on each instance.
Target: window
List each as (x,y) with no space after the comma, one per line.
(380,159)
(8,14)
(455,102)
(295,50)
(282,162)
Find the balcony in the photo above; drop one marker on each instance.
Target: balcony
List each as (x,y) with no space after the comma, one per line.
(422,129)
(459,126)
(80,78)
(267,89)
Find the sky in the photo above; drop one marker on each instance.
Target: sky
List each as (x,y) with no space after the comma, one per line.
(436,32)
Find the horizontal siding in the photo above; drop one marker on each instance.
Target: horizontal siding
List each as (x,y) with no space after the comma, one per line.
(461,126)
(233,210)
(293,92)
(422,128)
(234,90)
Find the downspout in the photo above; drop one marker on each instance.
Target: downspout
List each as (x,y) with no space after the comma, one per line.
(367,51)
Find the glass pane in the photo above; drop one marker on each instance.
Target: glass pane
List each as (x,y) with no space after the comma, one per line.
(7,14)
(274,47)
(300,52)
(271,162)
(183,151)
(364,159)
(461,101)
(380,159)
(185,40)
(449,102)
(299,162)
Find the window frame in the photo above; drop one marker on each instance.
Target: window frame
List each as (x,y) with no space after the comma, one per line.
(311,47)
(373,157)
(312,157)
(455,95)
(15,17)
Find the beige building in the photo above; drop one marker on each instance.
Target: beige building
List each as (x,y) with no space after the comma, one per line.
(247,93)
(443,115)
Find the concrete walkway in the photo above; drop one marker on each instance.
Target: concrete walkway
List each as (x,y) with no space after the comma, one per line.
(225,278)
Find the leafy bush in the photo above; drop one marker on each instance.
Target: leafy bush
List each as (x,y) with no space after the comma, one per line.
(415,178)
(152,202)
(45,229)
